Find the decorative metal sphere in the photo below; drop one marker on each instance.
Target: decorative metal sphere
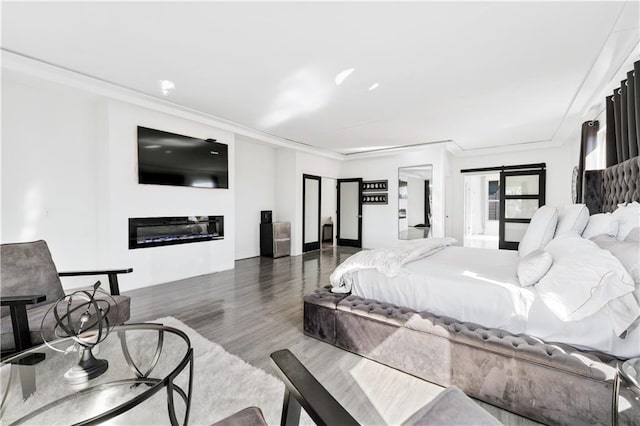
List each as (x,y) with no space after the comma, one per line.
(82,317)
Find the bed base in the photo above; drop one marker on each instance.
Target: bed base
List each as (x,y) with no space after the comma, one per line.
(549,383)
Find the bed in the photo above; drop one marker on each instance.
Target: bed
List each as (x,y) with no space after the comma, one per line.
(522,357)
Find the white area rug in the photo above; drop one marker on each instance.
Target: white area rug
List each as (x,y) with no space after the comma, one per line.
(222,385)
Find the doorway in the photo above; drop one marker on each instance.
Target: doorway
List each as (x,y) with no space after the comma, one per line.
(506,197)
(522,192)
(328,211)
(481,210)
(311,193)
(349,231)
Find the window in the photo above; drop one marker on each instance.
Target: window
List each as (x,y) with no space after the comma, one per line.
(493,199)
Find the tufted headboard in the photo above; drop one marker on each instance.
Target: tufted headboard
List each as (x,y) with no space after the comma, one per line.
(605,189)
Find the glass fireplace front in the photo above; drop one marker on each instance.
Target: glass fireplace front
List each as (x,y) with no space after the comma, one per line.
(162,231)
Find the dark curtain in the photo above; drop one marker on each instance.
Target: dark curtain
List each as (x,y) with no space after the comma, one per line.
(427,205)
(623,120)
(588,143)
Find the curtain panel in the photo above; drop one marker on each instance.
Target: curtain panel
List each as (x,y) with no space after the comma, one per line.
(623,120)
(588,143)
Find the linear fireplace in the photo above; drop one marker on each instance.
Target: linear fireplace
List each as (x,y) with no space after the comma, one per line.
(163,231)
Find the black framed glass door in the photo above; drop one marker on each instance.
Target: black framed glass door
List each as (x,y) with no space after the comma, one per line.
(311,190)
(350,212)
(522,192)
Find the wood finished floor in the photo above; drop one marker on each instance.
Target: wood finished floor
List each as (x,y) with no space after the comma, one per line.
(256,309)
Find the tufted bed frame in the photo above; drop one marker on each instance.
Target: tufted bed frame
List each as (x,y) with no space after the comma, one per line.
(605,189)
(547,382)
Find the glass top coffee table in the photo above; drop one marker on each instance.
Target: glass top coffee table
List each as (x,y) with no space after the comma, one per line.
(144,359)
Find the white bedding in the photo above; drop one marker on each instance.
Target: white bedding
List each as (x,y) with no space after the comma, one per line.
(584,279)
(387,260)
(481,286)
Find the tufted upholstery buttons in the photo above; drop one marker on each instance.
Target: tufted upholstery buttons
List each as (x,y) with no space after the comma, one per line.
(523,347)
(621,183)
(491,361)
(324,297)
(384,312)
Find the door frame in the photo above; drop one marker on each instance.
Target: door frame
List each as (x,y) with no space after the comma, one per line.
(314,245)
(541,173)
(343,241)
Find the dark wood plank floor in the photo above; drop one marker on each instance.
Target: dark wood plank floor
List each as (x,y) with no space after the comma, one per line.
(256,309)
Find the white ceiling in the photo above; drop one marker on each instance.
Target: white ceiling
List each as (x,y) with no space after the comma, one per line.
(481,74)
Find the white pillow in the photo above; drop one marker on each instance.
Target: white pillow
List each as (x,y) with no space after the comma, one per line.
(583,280)
(601,224)
(633,235)
(573,219)
(629,218)
(627,252)
(540,231)
(533,267)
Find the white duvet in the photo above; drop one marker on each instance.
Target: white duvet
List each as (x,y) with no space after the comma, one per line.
(480,286)
(388,261)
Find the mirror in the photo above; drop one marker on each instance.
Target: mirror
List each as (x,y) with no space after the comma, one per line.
(311,212)
(414,201)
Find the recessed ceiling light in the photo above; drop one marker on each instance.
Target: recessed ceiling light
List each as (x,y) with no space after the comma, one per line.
(342,76)
(166,86)
(374,86)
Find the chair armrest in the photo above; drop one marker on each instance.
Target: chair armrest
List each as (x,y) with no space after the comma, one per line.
(22,300)
(111,273)
(19,320)
(308,392)
(98,272)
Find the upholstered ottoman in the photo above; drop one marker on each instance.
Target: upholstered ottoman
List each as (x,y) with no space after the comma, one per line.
(550,383)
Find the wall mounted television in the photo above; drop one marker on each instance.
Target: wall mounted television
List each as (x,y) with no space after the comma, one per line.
(169,159)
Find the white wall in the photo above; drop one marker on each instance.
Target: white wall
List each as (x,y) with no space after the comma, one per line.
(380,222)
(559,162)
(285,181)
(127,198)
(49,182)
(69,176)
(255,191)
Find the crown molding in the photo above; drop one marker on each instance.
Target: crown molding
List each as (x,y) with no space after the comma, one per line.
(35,68)
(383,152)
(92,85)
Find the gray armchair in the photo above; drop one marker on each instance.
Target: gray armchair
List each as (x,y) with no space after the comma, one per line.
(30,285)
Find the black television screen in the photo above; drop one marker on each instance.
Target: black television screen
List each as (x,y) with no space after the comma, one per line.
(168,159)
